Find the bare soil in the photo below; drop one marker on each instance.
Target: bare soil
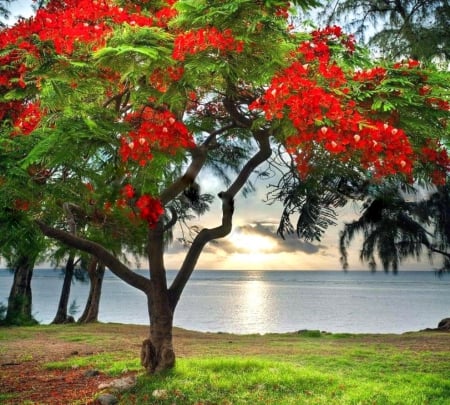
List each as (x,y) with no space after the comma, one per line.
(25,351)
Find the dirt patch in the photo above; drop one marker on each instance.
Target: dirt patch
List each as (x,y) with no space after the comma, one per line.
(25,351)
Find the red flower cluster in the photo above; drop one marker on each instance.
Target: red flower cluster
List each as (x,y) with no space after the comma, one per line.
(192,42)
(283,11)
(128,191)
(165,14)
(21,205)
(64,25)
(150,209)
(438,103)
(436,156)
(375,75)
(409,64)
(321,116)
(153,130)
(318,48)
(160,79)
(70,22)
(28,119)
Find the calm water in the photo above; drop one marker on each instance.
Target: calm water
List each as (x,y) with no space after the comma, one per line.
(269,301)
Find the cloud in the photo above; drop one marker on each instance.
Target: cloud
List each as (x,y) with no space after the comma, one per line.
(260,236)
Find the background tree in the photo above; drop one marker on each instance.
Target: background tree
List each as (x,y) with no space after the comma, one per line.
(415,29)
(4,12)
(62,315)
(118,108)
(21,243)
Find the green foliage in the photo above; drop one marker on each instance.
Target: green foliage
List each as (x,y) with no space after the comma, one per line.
(310,333)
(135,51)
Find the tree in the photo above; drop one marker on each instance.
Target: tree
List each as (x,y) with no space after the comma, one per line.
(388,227)
(434,213)
(118,108)
(61,312)
(20,244)
(397,228)
(410,28)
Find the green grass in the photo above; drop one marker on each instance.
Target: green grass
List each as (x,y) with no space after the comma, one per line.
(231,380)
(298,368)
(113,364)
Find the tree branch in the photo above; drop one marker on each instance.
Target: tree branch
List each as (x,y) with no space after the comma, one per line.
(199,156)
(207,235)
(109,260)
(173,219)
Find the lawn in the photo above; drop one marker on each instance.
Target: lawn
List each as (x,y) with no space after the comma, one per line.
(296,368)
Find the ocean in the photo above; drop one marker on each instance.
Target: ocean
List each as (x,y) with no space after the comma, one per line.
(268,301)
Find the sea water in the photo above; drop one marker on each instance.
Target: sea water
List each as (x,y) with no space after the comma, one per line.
(267,301)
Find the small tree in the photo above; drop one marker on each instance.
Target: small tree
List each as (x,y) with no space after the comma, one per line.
(118,108)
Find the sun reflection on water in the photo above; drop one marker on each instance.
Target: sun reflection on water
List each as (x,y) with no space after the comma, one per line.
(253,306)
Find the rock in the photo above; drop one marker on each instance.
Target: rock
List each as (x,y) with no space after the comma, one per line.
(107,399)
(120,384)
(91,373)
(444,324)
(160,394)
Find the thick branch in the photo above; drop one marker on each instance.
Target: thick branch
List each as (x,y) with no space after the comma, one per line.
(207,235)
(199,156)
(93,248)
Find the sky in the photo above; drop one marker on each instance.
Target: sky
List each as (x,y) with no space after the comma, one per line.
(253,243)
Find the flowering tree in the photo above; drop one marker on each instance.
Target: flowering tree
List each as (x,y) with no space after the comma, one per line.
(116,107)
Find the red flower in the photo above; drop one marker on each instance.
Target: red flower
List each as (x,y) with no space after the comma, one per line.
(196,41)
(128,191)
(150,209)
(28,119)
(153,131)
(21,205)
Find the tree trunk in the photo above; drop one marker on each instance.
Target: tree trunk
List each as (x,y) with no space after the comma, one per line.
(96,271)
(157,352)
(20,297)
(61,313)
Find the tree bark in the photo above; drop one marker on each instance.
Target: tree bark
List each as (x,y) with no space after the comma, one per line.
(96,271)
(157,352)
(20,296)
(61,313)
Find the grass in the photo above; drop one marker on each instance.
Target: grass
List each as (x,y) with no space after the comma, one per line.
(114,364)
(298,368)
(261,380)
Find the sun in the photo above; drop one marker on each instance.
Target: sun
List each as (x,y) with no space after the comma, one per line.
(249,243)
